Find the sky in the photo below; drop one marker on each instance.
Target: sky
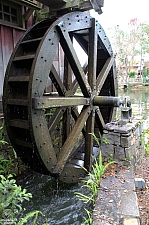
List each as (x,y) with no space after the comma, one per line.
(120,12)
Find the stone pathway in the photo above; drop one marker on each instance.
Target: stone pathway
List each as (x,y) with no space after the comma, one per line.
(117,200)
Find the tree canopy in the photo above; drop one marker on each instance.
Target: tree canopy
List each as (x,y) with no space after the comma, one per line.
(129,44)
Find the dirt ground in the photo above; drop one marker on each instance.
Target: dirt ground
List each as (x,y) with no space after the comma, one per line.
(142,171)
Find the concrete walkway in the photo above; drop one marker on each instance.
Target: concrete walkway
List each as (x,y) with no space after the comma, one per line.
(117,200)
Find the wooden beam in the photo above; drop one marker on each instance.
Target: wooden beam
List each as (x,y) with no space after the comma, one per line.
(27,3)
(28,13)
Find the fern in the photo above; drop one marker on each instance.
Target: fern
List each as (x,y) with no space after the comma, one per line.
(29,216)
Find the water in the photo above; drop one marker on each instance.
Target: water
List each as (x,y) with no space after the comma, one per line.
(139,101)
(57,200)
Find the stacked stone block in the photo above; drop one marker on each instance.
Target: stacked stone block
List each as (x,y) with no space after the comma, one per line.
(123,143)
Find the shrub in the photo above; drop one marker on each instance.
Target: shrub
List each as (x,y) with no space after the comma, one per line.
(132,74)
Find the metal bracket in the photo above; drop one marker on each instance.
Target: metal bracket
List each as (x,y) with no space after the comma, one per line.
(126,110)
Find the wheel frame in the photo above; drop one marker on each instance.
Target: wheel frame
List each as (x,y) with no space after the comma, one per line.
(61,32)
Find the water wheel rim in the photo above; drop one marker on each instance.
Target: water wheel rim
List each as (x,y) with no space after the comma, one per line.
(42,64)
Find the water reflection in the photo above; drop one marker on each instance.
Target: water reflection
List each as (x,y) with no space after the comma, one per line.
(139,100)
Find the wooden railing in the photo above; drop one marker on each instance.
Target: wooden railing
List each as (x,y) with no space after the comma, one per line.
(135,80)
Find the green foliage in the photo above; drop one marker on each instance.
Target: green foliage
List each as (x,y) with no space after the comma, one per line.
(146,137)
(49,112)
(30,215)
(106,141)
(132,74)
(87,221)
(110,159)
(96,139)
(11,196)
(2,141)
(6,165)
(92,183)
(11,199)
(144,73)
(129,44)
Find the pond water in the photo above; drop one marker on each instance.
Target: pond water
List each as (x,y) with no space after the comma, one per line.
(139,101)
(57,200)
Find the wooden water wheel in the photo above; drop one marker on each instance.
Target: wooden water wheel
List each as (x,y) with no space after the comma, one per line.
(60,86)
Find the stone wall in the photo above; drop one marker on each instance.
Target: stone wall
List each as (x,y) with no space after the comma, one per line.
(123,143)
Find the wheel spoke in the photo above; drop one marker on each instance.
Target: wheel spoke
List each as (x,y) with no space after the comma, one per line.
(71,141)
(54,120)
(54,102)
(89,141)
(104,73)
(73,60)
(57,81)
(75,83)
(67,115)
(92,61)
(99,117)
(75,115)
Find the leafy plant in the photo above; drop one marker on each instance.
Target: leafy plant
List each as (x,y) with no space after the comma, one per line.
(30,215)
(11,196)
(92,183)
(106,141)
(87,221)
(132,74)
(2,141)
(145,139)
(98,140)
(5,165)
